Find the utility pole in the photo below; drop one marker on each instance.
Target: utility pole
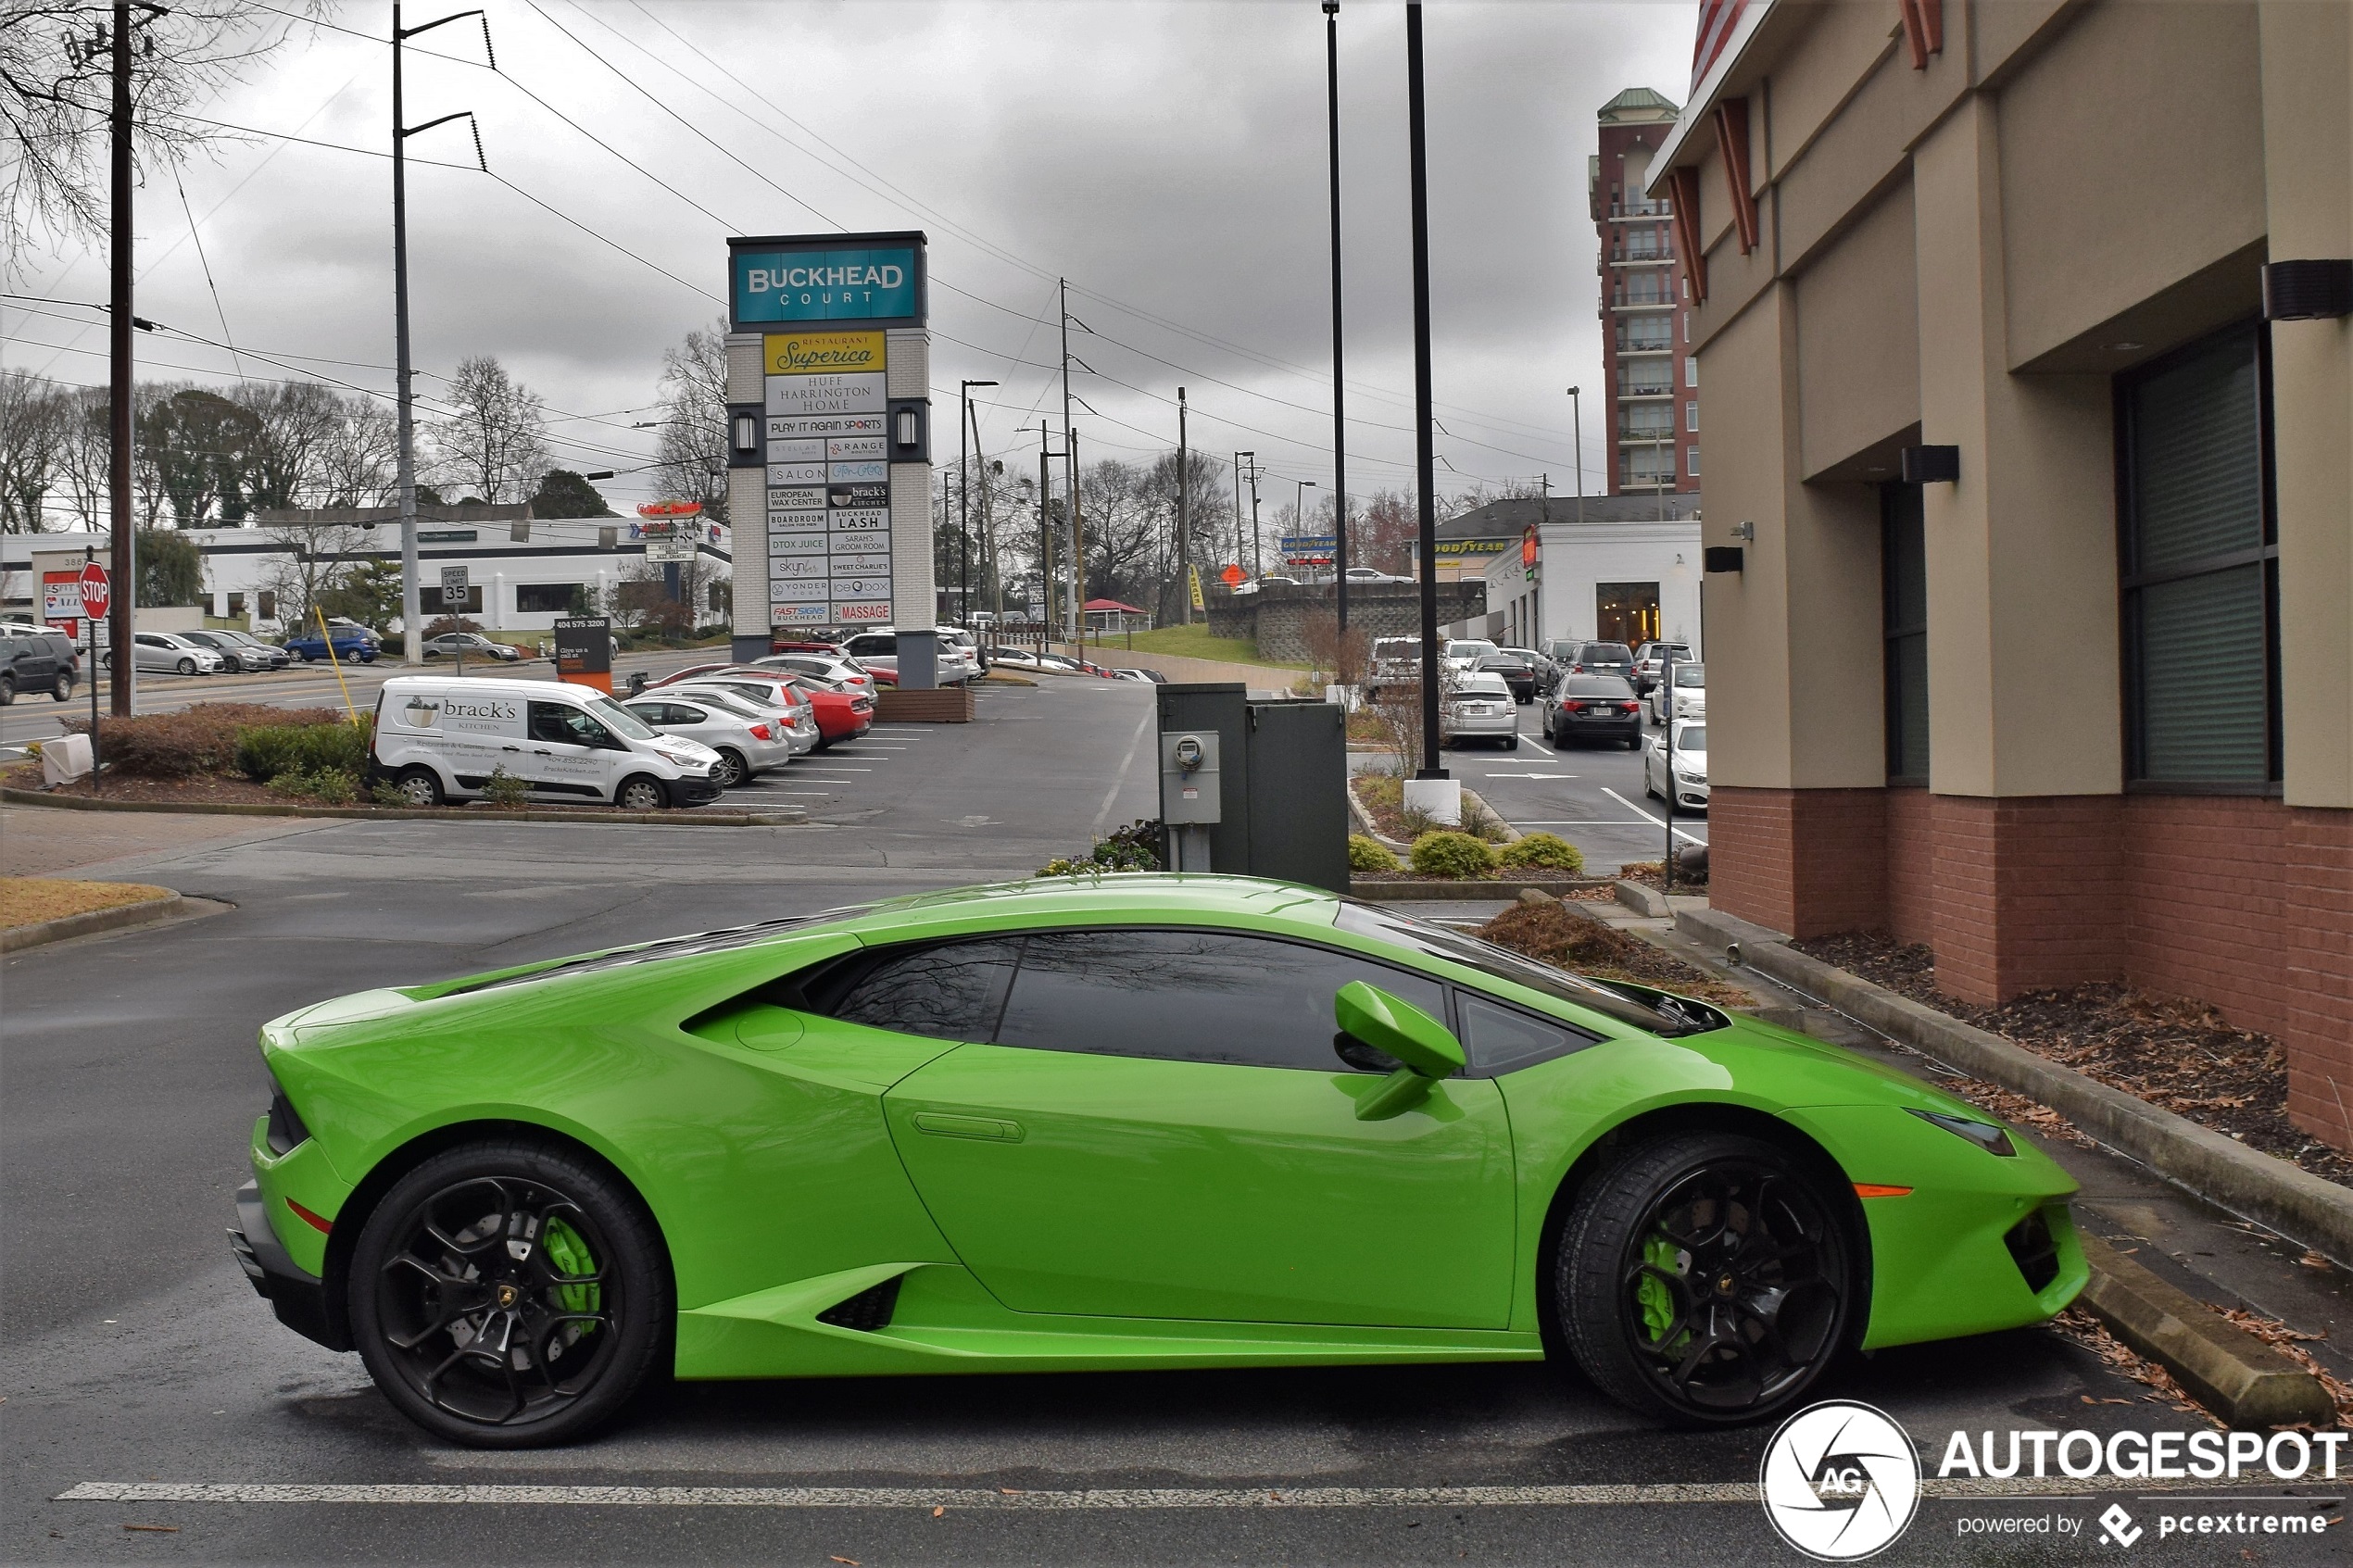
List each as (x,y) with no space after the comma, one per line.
(1184,518)
(988,532)
(1257,539)
(1045,533)
(1238,556)
(404,373)
(1425,452)
(1340,420)
(118,424)
(1070,461)
(967,436)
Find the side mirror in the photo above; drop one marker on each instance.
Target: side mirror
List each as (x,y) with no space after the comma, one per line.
(1427,1047)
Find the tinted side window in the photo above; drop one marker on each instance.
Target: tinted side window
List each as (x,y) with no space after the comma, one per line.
(1192,995)
(953,992)
(1501,1039)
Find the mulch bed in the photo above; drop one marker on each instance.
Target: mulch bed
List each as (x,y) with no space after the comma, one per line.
(2179,1054)
(1653,874)
(205,789)
(1546,931)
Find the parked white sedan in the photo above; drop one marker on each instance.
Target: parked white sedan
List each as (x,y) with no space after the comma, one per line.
(1687,699)
(1681,752)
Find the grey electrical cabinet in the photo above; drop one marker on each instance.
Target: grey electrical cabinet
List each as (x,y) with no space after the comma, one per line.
(1280,770)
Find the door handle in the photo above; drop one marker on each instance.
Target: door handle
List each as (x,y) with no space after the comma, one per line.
(990,1128)
(540,751)
(511,749)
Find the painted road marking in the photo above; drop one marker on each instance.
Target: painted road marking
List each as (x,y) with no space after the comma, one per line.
(1654,821)
(1603,1495)
(1530,775)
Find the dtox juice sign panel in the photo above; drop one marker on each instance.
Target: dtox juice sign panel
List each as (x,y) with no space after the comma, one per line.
(828,480)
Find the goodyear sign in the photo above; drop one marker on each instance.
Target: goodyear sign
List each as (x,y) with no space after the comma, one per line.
(780,281)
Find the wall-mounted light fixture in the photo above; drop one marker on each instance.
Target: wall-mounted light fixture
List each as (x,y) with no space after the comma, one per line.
(1743,531)
(2307,291)
(746,448)
(1931,465)
(909,430)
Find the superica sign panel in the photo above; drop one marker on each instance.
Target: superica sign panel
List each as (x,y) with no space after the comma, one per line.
(828,480)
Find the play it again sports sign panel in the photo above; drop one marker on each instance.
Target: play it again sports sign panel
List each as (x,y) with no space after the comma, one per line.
(828,480)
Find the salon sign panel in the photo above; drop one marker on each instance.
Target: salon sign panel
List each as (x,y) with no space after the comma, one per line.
(828,480)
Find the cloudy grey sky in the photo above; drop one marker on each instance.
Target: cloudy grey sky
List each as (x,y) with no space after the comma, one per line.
(1168,159)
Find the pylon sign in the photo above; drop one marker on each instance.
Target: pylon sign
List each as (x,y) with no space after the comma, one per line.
(843,477)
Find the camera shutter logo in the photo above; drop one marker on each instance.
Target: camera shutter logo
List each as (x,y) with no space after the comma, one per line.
(1839,1481)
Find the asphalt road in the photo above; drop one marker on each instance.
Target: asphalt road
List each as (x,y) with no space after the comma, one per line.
(132,1352)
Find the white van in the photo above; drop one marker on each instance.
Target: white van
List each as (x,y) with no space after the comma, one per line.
(440,738)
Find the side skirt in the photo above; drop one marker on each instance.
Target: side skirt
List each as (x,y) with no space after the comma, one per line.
(943,1322)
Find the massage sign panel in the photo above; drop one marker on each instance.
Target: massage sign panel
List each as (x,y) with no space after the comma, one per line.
(838,322)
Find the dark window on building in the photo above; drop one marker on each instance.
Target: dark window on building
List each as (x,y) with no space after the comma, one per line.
(267,600)
(1625,612)
(2200,566)
(1192,995)
(1904,614)
(543,598)
(435,606)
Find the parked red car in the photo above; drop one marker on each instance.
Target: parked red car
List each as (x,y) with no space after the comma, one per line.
(840,715)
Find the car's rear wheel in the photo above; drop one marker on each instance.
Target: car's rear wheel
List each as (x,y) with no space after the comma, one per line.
(1704,1278)
(508,1295)
(1512,744)
(7,690)
(62,689)
(731,769)
(420,786)
(640,792)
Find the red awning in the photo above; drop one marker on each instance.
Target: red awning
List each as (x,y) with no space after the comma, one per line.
(1095,607)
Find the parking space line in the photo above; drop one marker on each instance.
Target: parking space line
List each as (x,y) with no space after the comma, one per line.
(1654,821)
(1000,1499)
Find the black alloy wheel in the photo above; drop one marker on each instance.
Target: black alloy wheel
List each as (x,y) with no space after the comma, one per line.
(1704,1279)
(509,1295)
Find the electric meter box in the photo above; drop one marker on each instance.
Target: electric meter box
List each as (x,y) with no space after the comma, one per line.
(1277,775)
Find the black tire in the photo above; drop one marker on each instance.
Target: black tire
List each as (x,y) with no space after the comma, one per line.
(641,791)
(1512,744)
(732,771)
(421,785)
(1744,1253)
(62,689)
(1633,743)
(587,1308)
(7,691)
(186,666)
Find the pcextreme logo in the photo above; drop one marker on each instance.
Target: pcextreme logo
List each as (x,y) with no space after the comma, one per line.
(1839,1481)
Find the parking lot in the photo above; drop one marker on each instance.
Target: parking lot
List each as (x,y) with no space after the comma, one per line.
(136,1356)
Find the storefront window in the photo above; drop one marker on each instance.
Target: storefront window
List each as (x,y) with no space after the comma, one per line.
(1625,612)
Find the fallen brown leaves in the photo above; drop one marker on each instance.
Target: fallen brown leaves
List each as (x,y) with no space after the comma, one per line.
(2080,1325)
(26,901)
(1552,935)
(2288,1342)
(2180,1055)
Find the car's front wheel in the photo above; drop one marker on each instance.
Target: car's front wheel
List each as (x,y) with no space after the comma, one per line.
(1704,1278)
(639,793)
(509,1294)
(186,666)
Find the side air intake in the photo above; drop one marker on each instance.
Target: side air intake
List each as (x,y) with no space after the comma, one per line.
(867,1311)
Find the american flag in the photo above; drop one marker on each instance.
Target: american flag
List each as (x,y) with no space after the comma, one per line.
(1716,19)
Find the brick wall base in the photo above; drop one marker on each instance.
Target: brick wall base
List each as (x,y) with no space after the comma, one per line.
(942,705)
(2244,903)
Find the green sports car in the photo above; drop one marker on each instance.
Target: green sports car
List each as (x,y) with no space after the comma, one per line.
(1119,1122)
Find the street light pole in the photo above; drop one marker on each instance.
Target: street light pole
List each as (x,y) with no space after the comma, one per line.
(1299,505)
(1184,518)
(1425,450)
(964,498)
(1340,420)
(411,619)
(120,391)
(1577,427)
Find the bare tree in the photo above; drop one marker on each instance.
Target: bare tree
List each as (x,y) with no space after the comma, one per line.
(492,444)
(691,452)
(83,451)
(34,414)
(313,560)
(57,95)
(294,424)
(356,461)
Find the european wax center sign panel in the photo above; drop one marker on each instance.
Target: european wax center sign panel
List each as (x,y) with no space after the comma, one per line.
(828,480)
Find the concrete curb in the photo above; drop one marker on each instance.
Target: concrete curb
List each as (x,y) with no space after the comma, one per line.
(1503,890)
(119,917)
(2272,1192)
(786,817)
(2228,1370)
(1643,900)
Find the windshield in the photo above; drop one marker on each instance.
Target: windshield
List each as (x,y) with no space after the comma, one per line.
(1606,652)
(1667,1015)
(1691,737)
(762,698)
(1690,674)
(621,721)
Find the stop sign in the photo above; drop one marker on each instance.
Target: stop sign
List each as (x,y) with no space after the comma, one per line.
(98,592)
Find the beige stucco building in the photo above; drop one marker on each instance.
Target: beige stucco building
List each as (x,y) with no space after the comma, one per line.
(2083,709)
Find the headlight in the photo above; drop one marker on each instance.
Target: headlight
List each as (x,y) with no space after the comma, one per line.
(1993,1140)
(1689,778)
(680,758)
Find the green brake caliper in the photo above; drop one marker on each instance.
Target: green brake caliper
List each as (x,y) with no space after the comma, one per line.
(569,1252)
(1657,1302)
